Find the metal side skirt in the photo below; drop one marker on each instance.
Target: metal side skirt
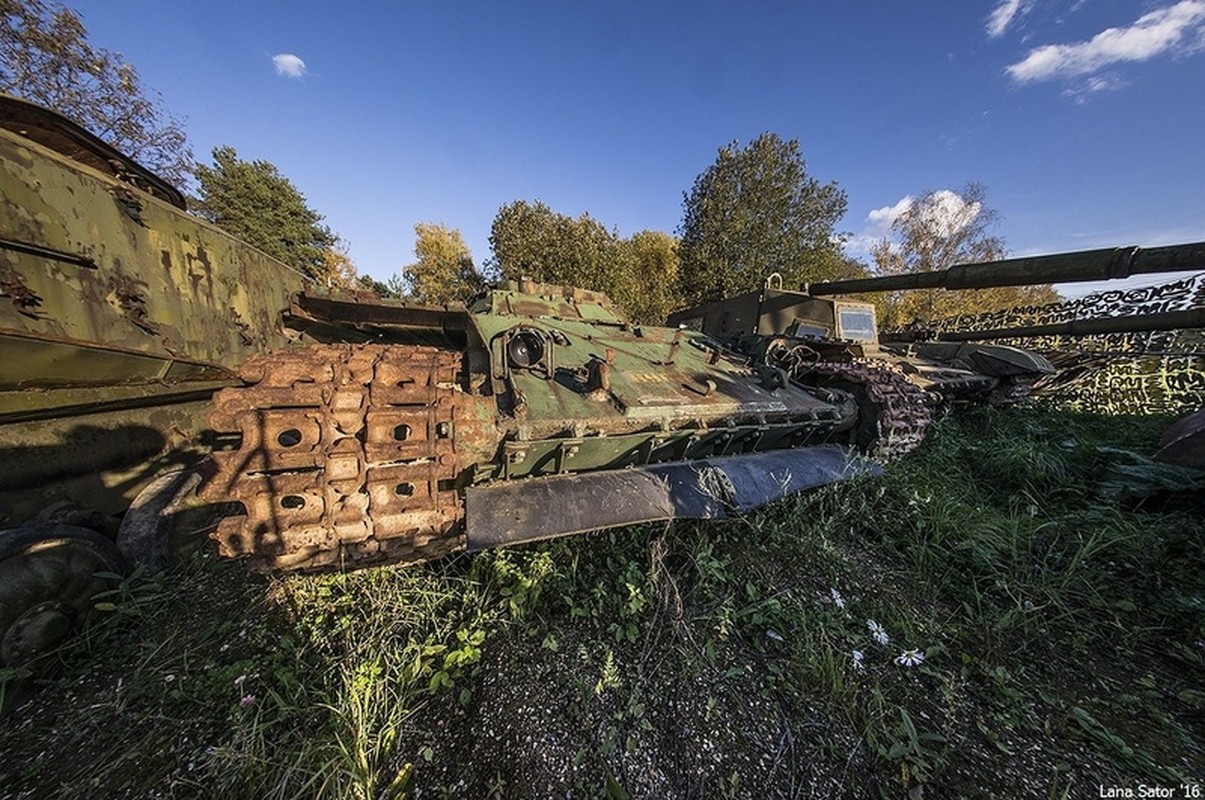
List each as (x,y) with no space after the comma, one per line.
(542,508)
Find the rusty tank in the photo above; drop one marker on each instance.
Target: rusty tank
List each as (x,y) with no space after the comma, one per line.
(821,336)
(536,411)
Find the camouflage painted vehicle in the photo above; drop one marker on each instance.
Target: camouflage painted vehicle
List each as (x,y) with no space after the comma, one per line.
(823,338)
(538,411)
(119,316)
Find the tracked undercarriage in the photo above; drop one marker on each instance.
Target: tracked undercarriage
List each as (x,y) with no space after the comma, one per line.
(894,413)
(824,342)
(543,413)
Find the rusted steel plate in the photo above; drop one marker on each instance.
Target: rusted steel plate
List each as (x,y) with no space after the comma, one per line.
(346,457)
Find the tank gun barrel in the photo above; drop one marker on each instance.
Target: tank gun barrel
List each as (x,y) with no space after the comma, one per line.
(1084,265)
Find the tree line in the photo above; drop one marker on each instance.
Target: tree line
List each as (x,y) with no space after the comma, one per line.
(754,211)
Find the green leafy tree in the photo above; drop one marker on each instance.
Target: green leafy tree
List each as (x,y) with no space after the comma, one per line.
(531,240)
(367,283)
(940,229)
(443,271)
(45,57)
(652,292)
(756,211)
(639,274)
(253,201)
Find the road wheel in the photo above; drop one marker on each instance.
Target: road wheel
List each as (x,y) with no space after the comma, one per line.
(48,577)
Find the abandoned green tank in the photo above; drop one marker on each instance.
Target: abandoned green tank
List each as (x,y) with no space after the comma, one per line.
(537,411)
(827,343)
(822,338)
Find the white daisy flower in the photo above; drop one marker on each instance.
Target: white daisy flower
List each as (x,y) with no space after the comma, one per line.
(910,658)
(838,600)
(878,632)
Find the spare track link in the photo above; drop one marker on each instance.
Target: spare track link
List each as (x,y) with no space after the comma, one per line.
(347,458)
(904,410)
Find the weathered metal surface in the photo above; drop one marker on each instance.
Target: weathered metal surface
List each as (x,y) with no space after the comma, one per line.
(709,488)
(349,456)
(78,269)
(63,136)
(119,316)
(376,317)
(1085,265)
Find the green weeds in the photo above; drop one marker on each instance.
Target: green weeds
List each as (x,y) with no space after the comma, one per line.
(1016,604)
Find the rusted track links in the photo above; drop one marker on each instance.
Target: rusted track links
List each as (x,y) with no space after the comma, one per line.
(903,410)
(347,457)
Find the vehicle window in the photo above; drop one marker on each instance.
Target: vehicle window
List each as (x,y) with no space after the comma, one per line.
(857,324)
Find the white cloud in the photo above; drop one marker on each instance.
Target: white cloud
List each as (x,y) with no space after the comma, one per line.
(946,213)
(878,225)
(1003,15)
(1095,84)
(288,65)
(882,218)
(1160,31)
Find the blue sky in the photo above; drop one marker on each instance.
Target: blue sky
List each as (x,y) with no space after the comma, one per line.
(1085,119)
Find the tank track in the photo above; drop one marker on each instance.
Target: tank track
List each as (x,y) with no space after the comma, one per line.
(346,457)
(899,411)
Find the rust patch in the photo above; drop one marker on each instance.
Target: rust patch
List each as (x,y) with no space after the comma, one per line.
(129,204)
(131,299)
(23,298)
(348,457)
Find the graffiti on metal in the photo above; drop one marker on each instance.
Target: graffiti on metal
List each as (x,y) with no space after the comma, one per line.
(1120,372)
(1184,294)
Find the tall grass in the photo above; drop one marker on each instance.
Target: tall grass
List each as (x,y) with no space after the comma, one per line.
(1054,603)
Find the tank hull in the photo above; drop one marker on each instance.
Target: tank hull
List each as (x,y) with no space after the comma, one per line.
(120,315)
